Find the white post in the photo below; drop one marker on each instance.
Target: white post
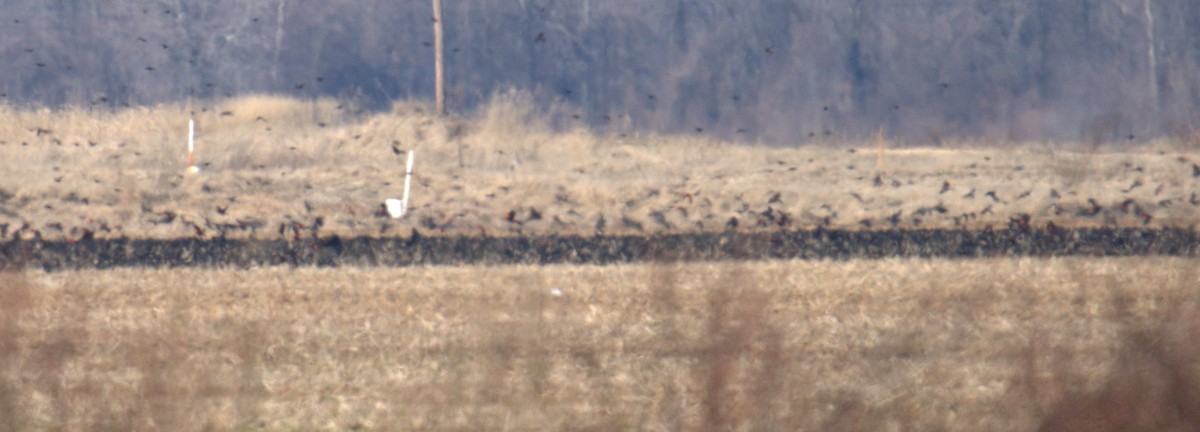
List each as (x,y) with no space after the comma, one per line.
(408,179)
(398,207)
(192,168)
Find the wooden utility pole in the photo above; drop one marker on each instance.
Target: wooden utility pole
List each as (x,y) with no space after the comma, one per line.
(1152,60)
(439,58)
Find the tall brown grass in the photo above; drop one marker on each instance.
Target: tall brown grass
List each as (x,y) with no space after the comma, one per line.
(1004,344)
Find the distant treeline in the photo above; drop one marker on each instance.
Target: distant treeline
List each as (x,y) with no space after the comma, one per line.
(779,71)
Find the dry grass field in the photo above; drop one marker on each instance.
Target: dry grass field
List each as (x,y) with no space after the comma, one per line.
(977,345)
(274,166)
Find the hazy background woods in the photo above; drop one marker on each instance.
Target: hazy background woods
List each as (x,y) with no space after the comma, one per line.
(780,71)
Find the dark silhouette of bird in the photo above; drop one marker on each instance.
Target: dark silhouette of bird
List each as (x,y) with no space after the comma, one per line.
(732,223)
(1126,205)
(782,219)
(945,187)
(1019,222)
(196,229)
(396,148)
(540,38)
(316,225)
(166,217)
(894,219)
(631,224)
(660,218)
(1093,208)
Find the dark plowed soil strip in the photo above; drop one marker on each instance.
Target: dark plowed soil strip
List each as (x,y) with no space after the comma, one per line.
(420,250)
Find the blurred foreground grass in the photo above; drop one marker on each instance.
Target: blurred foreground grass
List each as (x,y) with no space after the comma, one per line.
(979,345)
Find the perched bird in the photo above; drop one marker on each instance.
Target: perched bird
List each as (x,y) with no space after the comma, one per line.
(1019,222)
(631,224)
(1125,205)
(166,217)
(945,187)
(661,219)
(894,219)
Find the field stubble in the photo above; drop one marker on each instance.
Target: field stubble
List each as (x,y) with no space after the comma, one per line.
(277,167)
(994,344)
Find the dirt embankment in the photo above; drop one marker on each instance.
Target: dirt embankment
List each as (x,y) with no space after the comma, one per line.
(421,250)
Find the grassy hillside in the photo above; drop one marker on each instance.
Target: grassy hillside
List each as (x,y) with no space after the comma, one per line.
(979,345)
(272,164)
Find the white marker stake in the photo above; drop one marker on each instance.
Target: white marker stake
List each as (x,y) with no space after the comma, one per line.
(398,207)
(192,168)
(407,179)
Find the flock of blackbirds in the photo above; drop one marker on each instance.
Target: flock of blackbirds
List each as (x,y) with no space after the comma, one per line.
(680,212)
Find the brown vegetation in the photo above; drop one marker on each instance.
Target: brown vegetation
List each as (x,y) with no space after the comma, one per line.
(281,167)
(1004,344)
